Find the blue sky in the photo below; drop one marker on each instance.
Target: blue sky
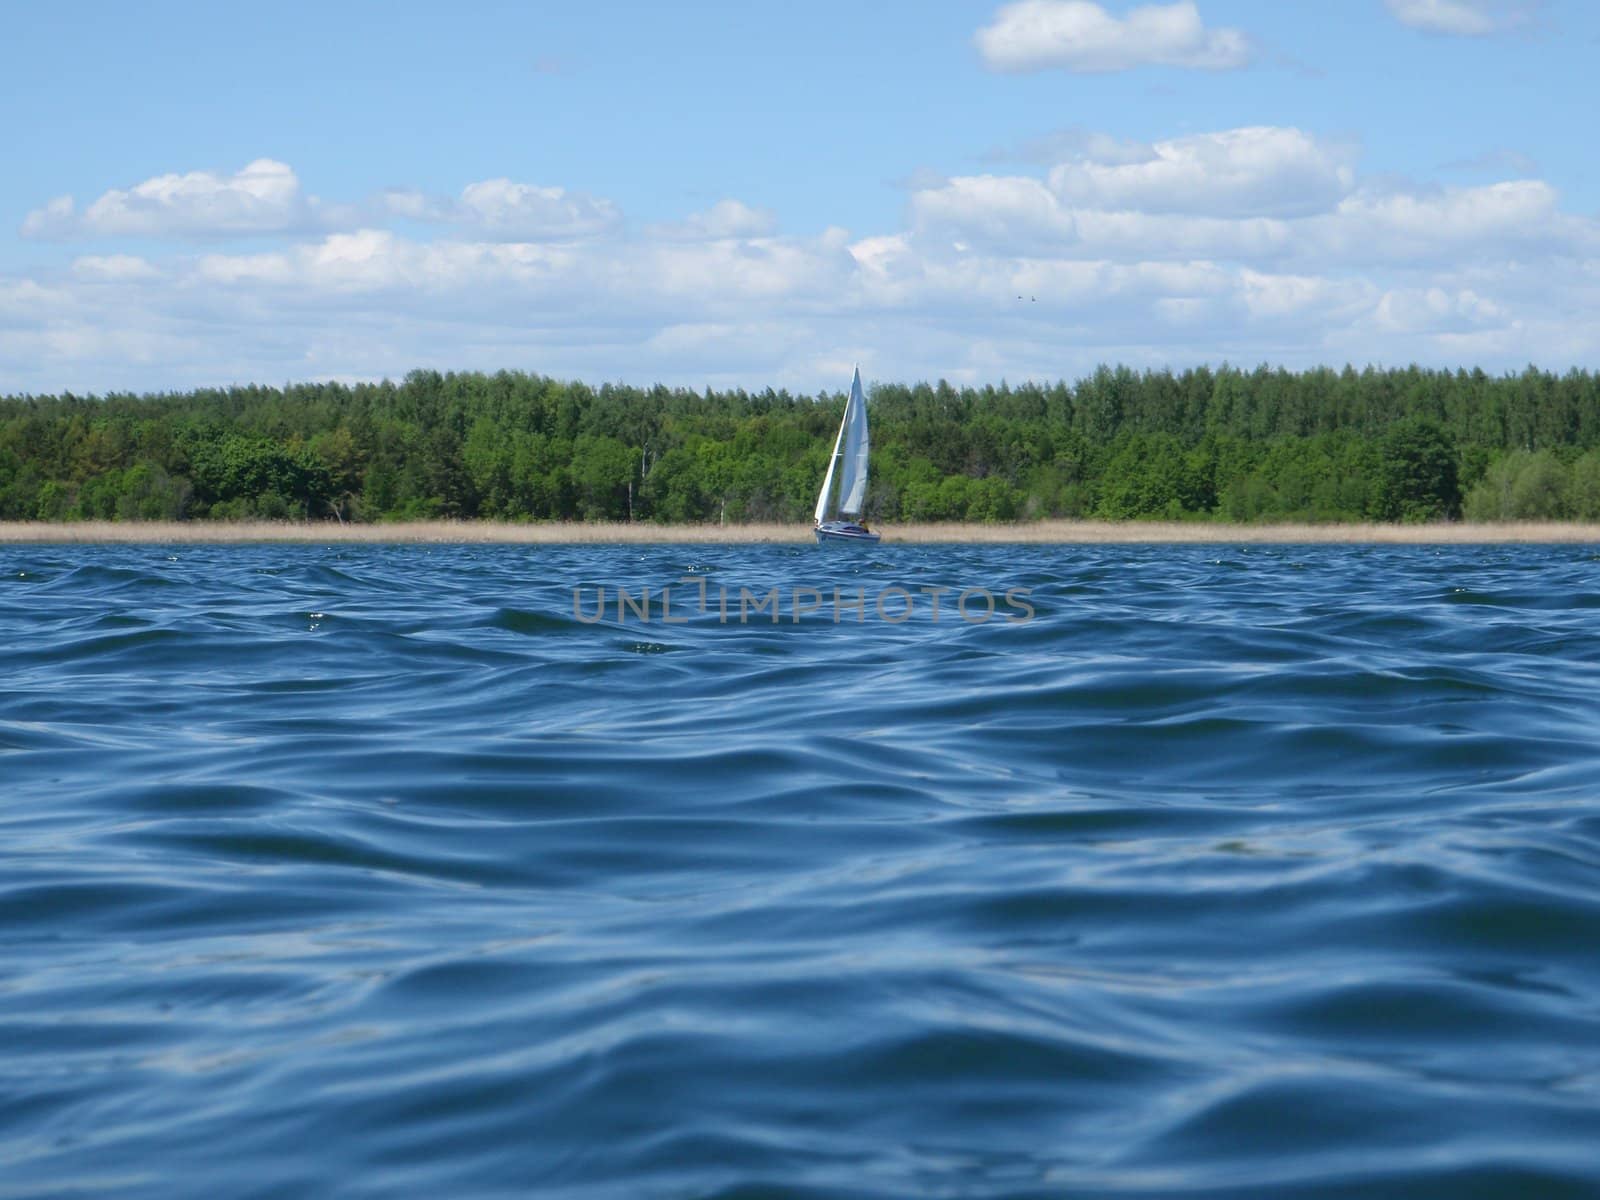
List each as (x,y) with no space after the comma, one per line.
(760,194)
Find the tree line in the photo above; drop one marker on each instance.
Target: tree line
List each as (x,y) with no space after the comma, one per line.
(1226,444)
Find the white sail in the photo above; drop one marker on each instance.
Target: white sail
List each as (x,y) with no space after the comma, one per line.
(833,461)
(853,457)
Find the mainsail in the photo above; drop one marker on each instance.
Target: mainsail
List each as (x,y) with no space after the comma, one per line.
(853,457)
(849,458)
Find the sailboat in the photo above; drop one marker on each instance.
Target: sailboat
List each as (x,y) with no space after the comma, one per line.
(849,462)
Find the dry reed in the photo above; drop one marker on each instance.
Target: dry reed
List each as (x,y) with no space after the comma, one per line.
(560,533)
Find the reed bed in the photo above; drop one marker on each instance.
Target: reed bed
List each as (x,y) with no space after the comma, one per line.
(560,533)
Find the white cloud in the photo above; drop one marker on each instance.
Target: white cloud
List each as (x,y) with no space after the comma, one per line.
(416,205)
(505,209)
(1466,18)
(1442,16)
(115,267)
(1251,245)
(370,261)
(1511,216)
(28,299)
(1170,235)
(1435,309)
(247,268)
(54,218)
(1075,35)
(993,209)
(618,275)
(724,219)
(524,210)
(1284,296)
(1255,195)
(1258,171)
(263,197)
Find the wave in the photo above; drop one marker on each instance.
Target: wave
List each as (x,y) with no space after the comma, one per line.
(1234,869)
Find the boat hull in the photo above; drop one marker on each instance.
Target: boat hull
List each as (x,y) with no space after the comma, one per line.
(843,531)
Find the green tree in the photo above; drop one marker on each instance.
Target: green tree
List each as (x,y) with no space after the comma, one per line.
(1417,473)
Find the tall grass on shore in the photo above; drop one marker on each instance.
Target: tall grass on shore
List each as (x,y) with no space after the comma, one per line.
(571,533)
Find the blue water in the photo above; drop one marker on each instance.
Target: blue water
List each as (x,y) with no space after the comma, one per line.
(376,871)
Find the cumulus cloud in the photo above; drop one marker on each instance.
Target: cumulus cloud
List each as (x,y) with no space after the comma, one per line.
(505,209)
(263,197)
(1465,18)
(115,267)
(1435,309)
(1255,171)
(374,261)
(1252,195)
(1499,208)
(724,219)
(1076,35)
(414,205)
(995,210)
(1280,296)
(619,276)
(524,210)
(1262,243)
(1512,217)
(1019,215)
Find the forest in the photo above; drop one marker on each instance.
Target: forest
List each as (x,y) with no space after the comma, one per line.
(1407,445)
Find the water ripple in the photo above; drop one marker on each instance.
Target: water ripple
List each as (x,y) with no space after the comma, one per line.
(1236,870)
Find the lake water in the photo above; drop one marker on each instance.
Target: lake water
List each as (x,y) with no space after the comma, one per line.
(379,871)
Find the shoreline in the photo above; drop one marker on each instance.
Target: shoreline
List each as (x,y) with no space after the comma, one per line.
(1054,532)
